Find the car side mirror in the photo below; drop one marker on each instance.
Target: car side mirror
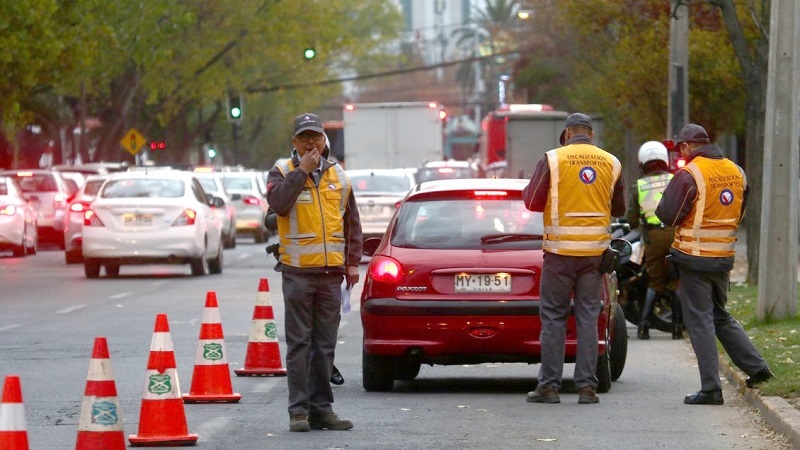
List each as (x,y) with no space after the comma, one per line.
(622,246)
(216,202)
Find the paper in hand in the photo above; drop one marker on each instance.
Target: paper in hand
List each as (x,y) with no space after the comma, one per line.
(346,298)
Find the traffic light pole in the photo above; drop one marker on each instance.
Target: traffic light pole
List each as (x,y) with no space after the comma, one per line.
(235,132)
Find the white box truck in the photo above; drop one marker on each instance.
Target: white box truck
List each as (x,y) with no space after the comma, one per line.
(530,135)
(392,135)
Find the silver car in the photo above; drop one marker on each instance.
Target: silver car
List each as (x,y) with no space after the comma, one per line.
(212,184)
(73,221)
(49,194)
(248,192)
(378,192)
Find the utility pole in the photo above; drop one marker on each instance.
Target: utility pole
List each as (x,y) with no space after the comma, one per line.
(678,100)
(777,270)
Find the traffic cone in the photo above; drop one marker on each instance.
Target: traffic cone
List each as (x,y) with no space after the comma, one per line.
(162,420)
(13,434)
(211,379)
(100,427)
(263,353)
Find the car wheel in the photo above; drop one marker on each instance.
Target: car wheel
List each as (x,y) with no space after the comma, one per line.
(619,342)
(112,270)
(215,265)
(72,257)
(20,250)
(406,370)
(377,373)
(603,372)
(199,266)
(91,268)
(258,235)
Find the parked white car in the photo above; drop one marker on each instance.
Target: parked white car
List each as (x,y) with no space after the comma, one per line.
(158,217)
(378,192)
(18,231)
(73,221)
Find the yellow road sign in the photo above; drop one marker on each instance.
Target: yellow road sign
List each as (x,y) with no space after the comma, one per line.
(132,141)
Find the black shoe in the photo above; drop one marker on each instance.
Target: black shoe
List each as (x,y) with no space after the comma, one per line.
(704,398)
(336,377)
(760,377)
(643,332)
(677,332)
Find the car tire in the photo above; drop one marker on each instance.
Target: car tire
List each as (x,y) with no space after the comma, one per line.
(199,266)
(215,265)
(618,342)
(112,270)
(91,268)
(258,236)
(20,250)
(407,370)
(603,372)
(377,373)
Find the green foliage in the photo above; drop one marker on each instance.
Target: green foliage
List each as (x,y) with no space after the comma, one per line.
(778,341)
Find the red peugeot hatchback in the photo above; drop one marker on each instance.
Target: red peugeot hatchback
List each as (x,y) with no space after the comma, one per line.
(455,280)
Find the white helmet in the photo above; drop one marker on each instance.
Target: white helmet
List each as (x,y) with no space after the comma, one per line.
(651,151)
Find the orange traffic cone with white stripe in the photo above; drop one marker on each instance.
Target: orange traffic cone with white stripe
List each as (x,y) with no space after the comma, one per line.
(100,427)
(13,432)
(263,353)
(211,379)
(162,420)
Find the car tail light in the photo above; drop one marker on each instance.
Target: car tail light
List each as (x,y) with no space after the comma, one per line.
(251,200)
(79,207)
(7,210)
(383,269)
(680,162)
(187,217)
(90,219)
(490,194)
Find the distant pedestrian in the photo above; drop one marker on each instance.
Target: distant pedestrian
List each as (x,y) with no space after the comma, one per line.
(705,201)
(578,187)
(320,246)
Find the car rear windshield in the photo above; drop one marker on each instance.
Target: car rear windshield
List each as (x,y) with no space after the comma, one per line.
(377,183)
(444,173)
(37,183)
(153,188)
(461,223)
(236,183)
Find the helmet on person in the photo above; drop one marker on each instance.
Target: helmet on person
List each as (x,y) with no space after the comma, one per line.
(652,151)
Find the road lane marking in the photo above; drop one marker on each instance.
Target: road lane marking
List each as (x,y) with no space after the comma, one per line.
(120,295)
(10,327)
(70,309)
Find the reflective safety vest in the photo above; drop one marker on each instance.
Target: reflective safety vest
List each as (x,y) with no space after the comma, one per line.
(651,188)
(577,215)
(312,233)
(710,227)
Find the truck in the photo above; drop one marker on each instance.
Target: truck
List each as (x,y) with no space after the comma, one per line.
(392,135)
(516,137)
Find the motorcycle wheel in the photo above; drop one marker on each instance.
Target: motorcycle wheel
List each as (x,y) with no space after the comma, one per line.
(619,342)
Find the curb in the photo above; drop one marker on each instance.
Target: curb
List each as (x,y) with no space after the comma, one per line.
(777,412)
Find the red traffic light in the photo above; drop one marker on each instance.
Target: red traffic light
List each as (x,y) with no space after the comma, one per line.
(157,145)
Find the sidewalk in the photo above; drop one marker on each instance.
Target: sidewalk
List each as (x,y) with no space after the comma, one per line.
(777,411)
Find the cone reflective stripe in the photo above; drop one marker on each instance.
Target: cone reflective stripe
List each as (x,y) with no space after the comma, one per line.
(211,379)
(13,429)
(263,353)
(162,420)
(100,427)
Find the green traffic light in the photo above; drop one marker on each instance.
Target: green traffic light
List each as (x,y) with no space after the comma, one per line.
(212,153)
(236,112)
(309,53)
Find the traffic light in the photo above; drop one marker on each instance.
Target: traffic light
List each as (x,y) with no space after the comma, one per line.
(235,109)
(157,145)
(212,152)
(309,53)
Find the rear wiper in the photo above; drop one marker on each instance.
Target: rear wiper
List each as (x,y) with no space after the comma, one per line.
(509,237)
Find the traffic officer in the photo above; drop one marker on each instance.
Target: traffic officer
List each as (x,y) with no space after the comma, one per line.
(320,246)
(705,201)
(657,239)
(578,187)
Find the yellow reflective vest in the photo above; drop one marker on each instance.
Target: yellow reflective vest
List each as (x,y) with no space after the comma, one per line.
(577,215)
(710,228)
(312,233)
(650,189)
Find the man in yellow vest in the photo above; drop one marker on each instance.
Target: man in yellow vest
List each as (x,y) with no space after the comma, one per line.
(705,202)
(320,246)
(657,239)
(578,187)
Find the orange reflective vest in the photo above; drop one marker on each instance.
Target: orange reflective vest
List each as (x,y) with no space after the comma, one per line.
(710,228)
(312,234)
(577,215)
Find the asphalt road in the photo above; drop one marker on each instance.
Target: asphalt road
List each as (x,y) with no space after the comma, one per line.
(50,314)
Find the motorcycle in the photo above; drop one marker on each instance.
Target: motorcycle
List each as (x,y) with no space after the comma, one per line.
(632,283)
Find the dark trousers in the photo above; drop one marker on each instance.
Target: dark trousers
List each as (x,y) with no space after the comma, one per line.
(703,297)
(313,305)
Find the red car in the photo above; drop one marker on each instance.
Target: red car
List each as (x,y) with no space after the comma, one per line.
(455,280)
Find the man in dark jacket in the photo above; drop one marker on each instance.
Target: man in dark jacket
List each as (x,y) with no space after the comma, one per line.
(705,202)
(320,245)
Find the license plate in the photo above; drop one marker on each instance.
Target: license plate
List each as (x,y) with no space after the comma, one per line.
(493,282)
(373,211)
(137,220)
